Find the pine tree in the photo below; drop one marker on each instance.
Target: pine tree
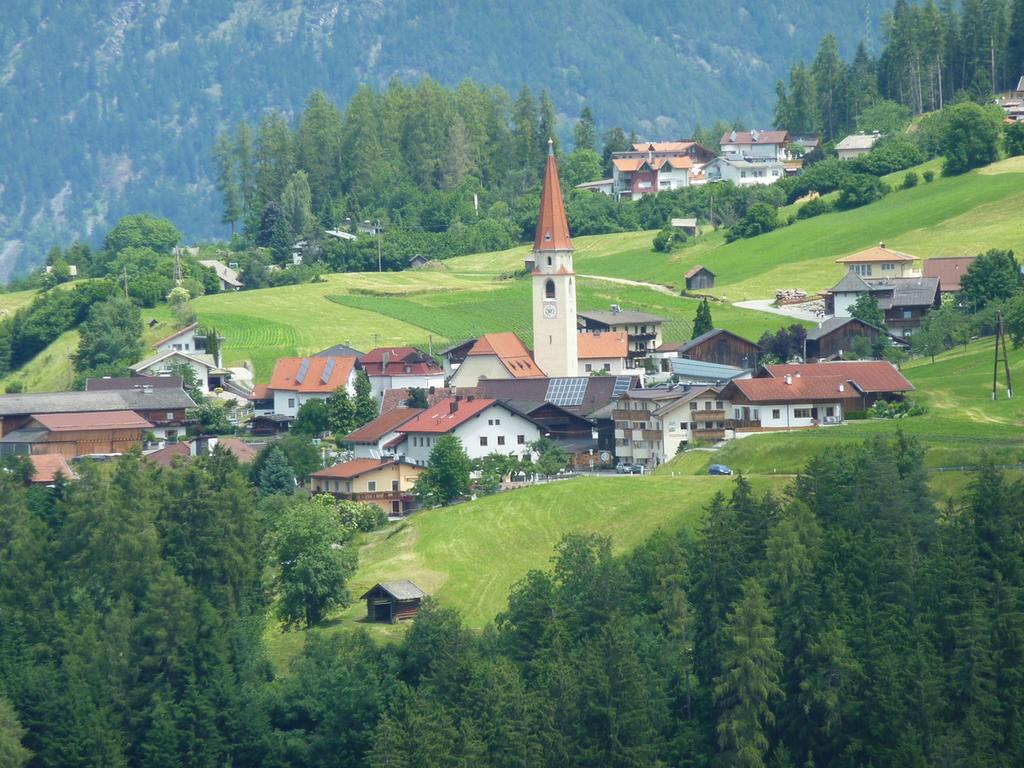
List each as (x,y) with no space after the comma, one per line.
(12,753)
(584,133)
(828,72)
(749,681)
(365,406)
(276,475)
(702,322)
(227,182)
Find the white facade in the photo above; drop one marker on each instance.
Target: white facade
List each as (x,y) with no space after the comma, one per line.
(844,302)
(796,415)
(494,430)
(613,366)
(380,384)
(185,341)
(162,364)
(554,313)
(743,173)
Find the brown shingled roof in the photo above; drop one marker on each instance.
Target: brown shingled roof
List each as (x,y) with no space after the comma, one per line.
(71,422)
(48,465)
(949,269)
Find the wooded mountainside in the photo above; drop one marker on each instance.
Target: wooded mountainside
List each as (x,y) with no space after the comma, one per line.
(851,622)
(112,107)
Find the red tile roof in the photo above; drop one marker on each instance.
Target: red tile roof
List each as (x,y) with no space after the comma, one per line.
(241,450)
(949,270)
(610,344)
(446,415)
(73,422)
(746,137)
(261,392)
(166,455)
(552,225)
(874,254)
(401,361)
(397,397)
(47,466)
(357,467)
(286,369)
(866,375)
(512,353)
(388,421)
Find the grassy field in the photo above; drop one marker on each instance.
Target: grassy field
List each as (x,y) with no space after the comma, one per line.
(469,555)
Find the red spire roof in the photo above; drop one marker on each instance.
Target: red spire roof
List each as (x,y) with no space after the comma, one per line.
(552,226)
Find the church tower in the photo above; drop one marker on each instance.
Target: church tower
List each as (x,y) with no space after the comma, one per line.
(554,283)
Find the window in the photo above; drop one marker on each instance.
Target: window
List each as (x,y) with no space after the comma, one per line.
(707,405)
(549,261)
(693,405)
(520,439)
(588,367)
(607,366)
(671,426)
(693,425)
(908,314)
(170,415)
(718,405)
(756,414)
(371,486)
(483,440)
(743,174)
(549,289)
(736,413)
(801,413)
(501,439)
(888,266)
(830,411)
(394,485)
(864,270)
(776,413)
(497,422)
(291,402)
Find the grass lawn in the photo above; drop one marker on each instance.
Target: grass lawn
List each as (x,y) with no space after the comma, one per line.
(469,555)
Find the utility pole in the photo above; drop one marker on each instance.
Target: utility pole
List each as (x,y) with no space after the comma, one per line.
(1001,347)
(177,268)
(379,262)
(711,211)
(126,282)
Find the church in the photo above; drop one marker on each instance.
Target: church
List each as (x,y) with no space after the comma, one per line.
(555,339)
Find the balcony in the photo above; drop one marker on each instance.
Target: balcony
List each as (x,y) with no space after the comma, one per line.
(620,415)
(700,416)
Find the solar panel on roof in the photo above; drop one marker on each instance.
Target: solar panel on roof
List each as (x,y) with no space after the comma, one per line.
(328,370)
(621,385)
(567,391)
(303,370)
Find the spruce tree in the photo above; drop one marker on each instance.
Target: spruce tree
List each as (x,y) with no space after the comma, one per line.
(276,475)
(12,753)
(749,680)
(702,322)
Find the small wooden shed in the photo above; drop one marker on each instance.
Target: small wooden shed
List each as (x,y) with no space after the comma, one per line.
(699,278)
(393,601)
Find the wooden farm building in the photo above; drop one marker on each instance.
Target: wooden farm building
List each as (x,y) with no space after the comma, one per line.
(77,434)
(699,278)
(722,347)
(393,601)
(836,335)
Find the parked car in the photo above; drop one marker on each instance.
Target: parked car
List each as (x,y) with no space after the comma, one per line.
(719,469)
(629,469)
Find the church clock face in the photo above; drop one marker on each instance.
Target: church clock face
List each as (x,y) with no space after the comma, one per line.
(550,310)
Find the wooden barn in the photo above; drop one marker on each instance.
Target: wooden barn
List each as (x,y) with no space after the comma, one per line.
(835,336)
(77,434)
(393,601)
(699,278)
(722,347)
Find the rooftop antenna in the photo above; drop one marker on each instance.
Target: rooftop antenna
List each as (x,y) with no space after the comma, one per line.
(1001,347)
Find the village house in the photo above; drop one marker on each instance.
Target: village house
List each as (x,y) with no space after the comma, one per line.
(835,336)
(387,483)
(482,425)
(48,467)
(949,270)
(496,356)
(697,372)
(795,396)
(455,355)
(296,380)
(602,353)
(394,367)
(651,424)
(723,348)
(187,348)
(340,350)
(399,398)
(879,261)
(643,330)
(574,434)
(652,167)
(159,400)
(755,145)
(378,438)
(745,171)
(856,144)
(904,301)
(226,276)
(393,601)
(699,278)
(185,450)
(77,434)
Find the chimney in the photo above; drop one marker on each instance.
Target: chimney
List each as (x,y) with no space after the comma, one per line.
(453,406)
(788,379)
(842,387)
(881,244)
(385,359)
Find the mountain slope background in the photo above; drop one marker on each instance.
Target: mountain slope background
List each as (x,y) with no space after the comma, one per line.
(112,106)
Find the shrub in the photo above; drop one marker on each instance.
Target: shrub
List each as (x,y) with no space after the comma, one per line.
(823,177)
(860,189)
(813,208)
(889,156)
(970,137)
(910,180)
(1013,139)
(929,176)
(668,239)
(761,218)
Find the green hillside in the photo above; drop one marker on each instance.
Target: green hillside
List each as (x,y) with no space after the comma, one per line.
(958,216)
(469,555)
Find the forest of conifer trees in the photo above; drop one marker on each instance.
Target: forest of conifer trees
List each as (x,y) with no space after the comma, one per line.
(854,620)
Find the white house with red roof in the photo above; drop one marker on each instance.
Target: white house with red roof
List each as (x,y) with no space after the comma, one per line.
(378,437)
(755,145)
(482,425)
(400,367)
(496,356)
(602,353)
(296,380)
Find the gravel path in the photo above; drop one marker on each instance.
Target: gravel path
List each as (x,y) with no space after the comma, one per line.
(622,281)
(766,305)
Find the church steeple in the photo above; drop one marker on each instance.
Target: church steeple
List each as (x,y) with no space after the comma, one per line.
(554,284)
(552,226)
